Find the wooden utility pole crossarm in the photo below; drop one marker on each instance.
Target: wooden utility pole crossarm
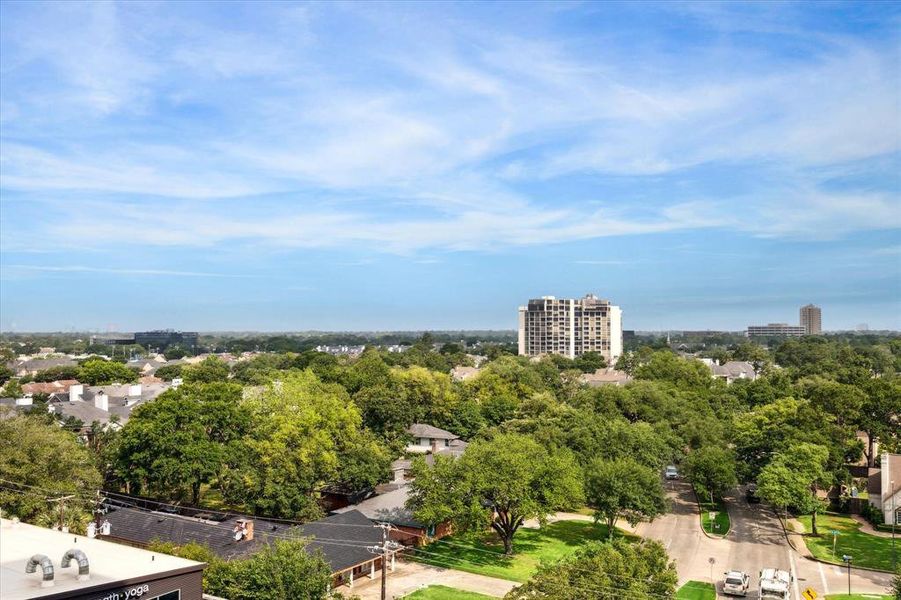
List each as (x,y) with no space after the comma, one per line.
(386,549)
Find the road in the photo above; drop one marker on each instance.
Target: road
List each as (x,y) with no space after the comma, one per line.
(756,541)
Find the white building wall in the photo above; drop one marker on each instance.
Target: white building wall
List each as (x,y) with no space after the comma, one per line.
(616,333)
(522,331)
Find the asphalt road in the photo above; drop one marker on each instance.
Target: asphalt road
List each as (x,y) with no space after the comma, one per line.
(755,542)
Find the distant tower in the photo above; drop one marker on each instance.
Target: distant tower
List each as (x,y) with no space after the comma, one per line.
(811,319)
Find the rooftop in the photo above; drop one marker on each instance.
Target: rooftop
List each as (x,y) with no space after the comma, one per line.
(421,430)
(108,562)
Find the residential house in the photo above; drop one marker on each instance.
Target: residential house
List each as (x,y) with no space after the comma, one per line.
(731,371)
(887,496)
(343,539)
(390,506)
(463,373)
(606,376)
(429,439)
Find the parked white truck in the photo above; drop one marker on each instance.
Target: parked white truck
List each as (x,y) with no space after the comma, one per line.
(774,585)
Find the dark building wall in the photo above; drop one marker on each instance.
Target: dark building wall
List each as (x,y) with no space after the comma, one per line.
(162,339)
(190,585)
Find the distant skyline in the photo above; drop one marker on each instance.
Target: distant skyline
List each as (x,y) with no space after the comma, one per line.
(409,166)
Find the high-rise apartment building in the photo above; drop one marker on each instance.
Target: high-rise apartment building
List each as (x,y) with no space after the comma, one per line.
(570,327)
(811,319)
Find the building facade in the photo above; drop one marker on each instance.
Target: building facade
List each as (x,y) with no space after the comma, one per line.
(811,319)
(162,339)
(776,330)
(571,327)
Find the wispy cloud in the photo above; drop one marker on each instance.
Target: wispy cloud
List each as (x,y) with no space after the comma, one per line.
(138,272)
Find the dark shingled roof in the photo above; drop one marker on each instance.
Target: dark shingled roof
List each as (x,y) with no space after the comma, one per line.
(343,546)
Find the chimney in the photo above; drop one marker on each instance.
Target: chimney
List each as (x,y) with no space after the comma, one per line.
(101,401)
(75,392)
(245,526)
(398,475)
(134,391)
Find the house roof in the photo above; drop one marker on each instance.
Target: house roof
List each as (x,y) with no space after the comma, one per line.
(389,507)
(605,376)
(343,538)
(421,430)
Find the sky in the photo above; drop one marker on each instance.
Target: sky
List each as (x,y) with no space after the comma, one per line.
(378,166)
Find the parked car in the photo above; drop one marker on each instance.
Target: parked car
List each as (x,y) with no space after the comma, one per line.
(671,472)
(775,584)
(736,583)
(751,494)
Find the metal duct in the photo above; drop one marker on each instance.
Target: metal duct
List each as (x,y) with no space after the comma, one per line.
(80,557)
(46,566)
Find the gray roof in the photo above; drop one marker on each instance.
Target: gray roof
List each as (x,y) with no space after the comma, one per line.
(389,507)
(421,430)
(345,536)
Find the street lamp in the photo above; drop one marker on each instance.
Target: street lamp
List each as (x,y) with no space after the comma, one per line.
(894,520)
(847,559)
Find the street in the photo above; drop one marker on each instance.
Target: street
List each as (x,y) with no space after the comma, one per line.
(756,541)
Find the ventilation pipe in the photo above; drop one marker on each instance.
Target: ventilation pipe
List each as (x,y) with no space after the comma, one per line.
(46,568)
(84,569)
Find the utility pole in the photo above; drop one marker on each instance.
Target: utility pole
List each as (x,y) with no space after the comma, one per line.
(385,550)
(62,509)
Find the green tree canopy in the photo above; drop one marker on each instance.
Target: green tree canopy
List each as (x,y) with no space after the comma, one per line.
(499,482)
(99,371)
(613,570)
(711,469)
(209,370)
(624,489)
(43,460)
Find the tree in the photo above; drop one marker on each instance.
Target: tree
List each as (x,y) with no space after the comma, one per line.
(284,569)
(614,570)
(12,389)
(711,469)
(624,489)
(210,369)
(499,482)
(58,373)
(99,371)
(168,372)
(881,405)
(306,434)
(793,477)
(39,459)
(183,439)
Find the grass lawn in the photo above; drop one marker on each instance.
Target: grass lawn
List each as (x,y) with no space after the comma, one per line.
(696,590)
(866,550)
(722,518)
(440,592)
(531,547)
(858,597)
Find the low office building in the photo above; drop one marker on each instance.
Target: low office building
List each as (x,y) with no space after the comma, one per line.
(776,330)
(51,565)
(571,327)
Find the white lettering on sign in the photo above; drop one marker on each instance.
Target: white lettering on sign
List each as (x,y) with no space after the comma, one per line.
(129,594)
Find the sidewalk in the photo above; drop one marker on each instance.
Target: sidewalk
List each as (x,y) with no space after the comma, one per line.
(411,576)
(867,528)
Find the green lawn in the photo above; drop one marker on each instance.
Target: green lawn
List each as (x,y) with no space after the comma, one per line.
(531,547)
(858,597)
(440,592)
(866,550)
(696,590)
(722,518)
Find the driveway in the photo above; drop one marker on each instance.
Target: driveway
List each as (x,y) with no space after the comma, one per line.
(410,576)
(755,541)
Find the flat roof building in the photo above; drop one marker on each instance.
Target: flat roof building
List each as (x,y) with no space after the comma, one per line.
(45,563)
(775,330)
(571,327)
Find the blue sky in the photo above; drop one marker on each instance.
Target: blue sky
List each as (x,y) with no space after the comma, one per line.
(334,166)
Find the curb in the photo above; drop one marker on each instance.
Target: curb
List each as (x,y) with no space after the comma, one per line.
(810,556)
(701,518)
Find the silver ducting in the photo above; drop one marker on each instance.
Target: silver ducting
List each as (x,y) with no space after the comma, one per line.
(46,566)
(82,560)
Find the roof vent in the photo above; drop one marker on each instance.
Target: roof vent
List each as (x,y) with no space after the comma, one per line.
(46,568)
(84,568)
